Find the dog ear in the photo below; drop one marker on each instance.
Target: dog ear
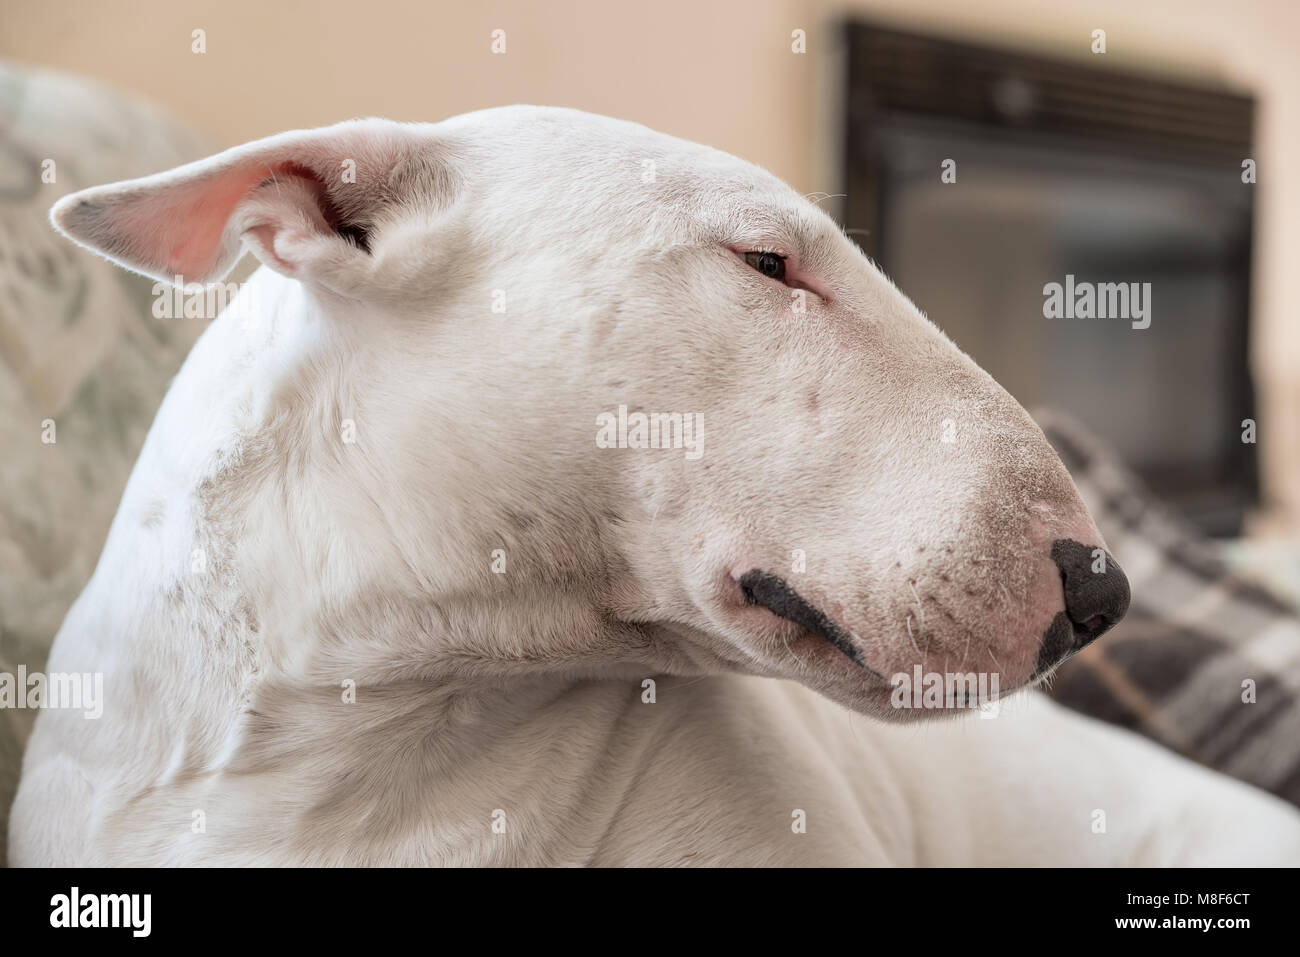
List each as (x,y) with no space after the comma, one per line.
(306,203)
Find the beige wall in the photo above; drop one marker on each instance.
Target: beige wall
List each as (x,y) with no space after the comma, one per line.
(719,71)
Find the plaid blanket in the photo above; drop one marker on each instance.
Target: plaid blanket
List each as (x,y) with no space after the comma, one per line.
(1207,663)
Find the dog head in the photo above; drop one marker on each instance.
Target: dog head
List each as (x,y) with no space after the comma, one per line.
(619,401)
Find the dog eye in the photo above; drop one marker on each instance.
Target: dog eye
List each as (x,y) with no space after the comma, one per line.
(770,265)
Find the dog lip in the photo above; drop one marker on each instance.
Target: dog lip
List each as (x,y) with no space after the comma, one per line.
(775,594)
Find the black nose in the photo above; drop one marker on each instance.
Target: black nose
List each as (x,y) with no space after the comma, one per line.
(1096,598)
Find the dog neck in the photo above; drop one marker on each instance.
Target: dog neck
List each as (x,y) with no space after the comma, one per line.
(312,526)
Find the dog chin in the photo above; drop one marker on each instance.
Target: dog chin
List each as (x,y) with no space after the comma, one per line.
(903,699)
(787,651)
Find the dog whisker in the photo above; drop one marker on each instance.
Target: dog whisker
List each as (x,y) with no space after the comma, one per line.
(822,197)
(802,664)
(920,611)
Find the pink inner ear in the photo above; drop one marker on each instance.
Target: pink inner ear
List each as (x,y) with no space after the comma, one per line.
(198,221)
(180,222)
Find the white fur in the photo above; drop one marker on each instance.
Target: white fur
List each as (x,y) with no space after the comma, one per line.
(322,562)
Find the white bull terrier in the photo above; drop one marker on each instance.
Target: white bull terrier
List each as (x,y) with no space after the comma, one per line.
(557,495)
